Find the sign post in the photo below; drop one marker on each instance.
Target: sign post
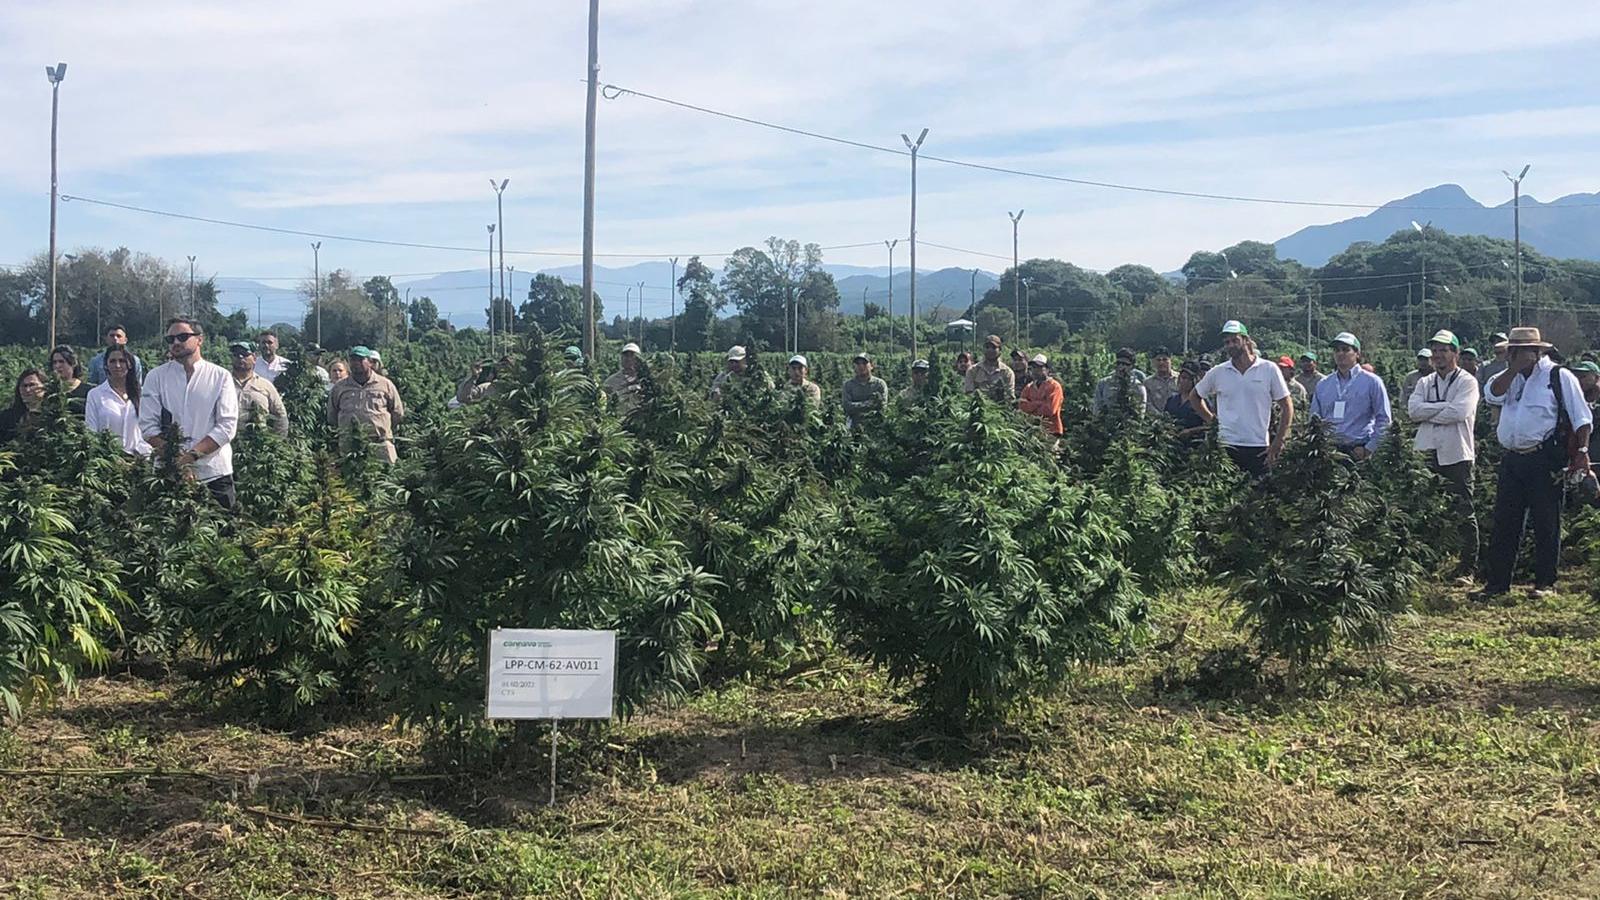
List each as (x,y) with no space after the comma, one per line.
(555,674)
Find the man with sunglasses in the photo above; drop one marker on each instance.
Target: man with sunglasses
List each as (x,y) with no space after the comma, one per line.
(199,398)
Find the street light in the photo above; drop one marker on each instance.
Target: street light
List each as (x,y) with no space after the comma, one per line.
(914,146)
(1423,230)
(1516,226)
(191,286)
(56,74)
(500,213)
(1027,310)
(891,246)
(316,284)
(491,289)
(1016,271)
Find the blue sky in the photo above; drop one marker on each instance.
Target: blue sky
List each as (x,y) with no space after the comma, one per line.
(387,120)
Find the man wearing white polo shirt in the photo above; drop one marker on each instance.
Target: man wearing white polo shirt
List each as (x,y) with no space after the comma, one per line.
(1244,390)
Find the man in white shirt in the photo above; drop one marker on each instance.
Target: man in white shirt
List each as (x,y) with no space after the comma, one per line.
(1245,389)
(1533,395)
(1445,407)
(269,364)
(199,398)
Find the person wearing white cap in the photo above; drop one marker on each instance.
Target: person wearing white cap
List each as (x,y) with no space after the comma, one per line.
(919,388)
(1245,390)
(1487,372)
(1042,395)
(1352,400)
(623,385)
(1445,407)
(1424,369)
(738,371)
(1544,426)
(800,381)
(866,394)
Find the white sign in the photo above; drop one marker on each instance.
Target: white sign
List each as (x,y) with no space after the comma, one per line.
(539,673)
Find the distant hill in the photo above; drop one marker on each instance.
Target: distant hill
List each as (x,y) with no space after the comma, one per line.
(1572,232)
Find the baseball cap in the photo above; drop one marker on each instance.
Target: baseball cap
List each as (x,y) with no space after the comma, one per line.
(1472,352)
(573,353)
(1309,355)
(798,360)
(1424,353)
(737,351)
(1445,336)
(1125,354)
(861,357)
(993,339)
(1499,339)
(923,364)
(1234,326)
(1587,366)
(1285,362)
(241,347)
(1348,339)
(630,347)
(365,352)
(1039,359)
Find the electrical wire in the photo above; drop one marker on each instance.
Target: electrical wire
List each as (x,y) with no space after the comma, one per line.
(614,91)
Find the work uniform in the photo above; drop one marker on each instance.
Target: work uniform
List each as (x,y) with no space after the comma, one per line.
(260,401)
(624,388)
(997,382)
(373,408)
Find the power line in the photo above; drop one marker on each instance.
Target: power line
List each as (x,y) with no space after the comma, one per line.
(613,91)
(273,229)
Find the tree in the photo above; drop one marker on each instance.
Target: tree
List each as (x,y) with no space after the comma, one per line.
(555,306)
(996,320)
(702,301)
(424,314)
(1078,296)
(1141,282)
(763,284)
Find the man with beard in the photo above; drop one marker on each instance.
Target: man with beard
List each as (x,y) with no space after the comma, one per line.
(199,398)
(1245,390)
(990,377)
(258,397)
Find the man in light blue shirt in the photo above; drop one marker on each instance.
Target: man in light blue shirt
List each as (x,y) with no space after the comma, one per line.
(1352,401)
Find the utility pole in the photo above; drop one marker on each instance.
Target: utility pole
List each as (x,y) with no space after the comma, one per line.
(191,286)
(260,326)
(407,315)
(914,146)
(491,289)
(974,304)
(588,181)
(891,245)
(511,313)
(1516,226)
(55,74)
(627,310)
(1423,300)
(1027,311)
(641,312)
(1016,273)
(316,285)
(500,217)
(1308,318)
(673,345)
(1409,337)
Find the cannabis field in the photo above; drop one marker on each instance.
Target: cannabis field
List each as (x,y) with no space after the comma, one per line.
(925,657)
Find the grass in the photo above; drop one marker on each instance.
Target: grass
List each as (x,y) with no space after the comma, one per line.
(1465,762)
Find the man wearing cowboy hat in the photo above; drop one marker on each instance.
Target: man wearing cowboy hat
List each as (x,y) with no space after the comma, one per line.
(1538,402)
(1352,401)
(1445,408)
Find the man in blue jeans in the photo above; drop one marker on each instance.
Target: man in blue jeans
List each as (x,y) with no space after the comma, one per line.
(1534,396)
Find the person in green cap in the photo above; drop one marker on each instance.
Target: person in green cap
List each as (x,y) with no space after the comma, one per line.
(1308,377)
(259,400)
(1352,401)
(574,356)
(368,403)
(1469,361)
(1589,379)
(1445,408)
(1245,390)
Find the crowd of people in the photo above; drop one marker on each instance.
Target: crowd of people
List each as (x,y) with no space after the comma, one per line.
(204,401)
(1543,411)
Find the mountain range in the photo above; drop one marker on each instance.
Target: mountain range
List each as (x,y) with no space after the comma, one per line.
(1568,227)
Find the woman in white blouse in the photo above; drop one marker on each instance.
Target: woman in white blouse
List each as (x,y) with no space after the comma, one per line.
(113,405)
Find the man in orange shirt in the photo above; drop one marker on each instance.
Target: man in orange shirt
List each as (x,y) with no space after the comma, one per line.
(1042,396)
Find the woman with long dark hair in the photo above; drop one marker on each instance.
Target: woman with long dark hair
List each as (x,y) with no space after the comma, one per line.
(26,397)
(64,363)
(113,405)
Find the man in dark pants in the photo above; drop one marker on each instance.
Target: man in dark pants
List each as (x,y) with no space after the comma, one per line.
(1445,407)
(1533,396)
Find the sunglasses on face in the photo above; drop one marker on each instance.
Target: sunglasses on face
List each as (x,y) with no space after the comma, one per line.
(178,338)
